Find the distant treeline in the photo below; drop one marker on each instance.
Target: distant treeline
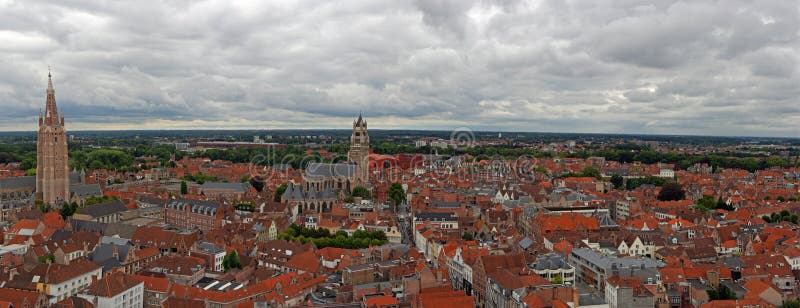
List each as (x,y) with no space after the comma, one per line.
(119,153)
(684,161)
(120,159)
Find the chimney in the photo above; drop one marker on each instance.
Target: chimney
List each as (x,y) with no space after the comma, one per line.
(115,252)
(13,273)
(575,297)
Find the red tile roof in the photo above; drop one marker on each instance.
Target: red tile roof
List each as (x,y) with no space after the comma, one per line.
(151,283)
(112,285)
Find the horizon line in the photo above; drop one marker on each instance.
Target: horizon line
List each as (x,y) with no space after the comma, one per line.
(403,129)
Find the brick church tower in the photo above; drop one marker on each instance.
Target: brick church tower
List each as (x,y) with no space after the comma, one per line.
(359,149)
(52,169)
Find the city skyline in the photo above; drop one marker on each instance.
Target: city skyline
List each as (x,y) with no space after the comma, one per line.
(665,68)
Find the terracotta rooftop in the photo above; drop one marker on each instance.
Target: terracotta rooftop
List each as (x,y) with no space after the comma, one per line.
(112,285)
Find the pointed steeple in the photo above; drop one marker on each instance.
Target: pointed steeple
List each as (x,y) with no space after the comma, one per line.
(49,81)
(51,109)
(360,120)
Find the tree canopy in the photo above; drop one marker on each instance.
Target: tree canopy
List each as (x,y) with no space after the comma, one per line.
(231,260)
(721,293)
(671,192)
(618,181)
(279,192)
(396,193)
(360,191)
(323,238)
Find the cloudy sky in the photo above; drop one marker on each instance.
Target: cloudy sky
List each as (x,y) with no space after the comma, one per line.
(623,66)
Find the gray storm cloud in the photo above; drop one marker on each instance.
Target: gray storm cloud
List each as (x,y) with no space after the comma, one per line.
(662,67)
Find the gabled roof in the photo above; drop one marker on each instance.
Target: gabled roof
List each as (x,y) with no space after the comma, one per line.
(103,209)
(53,273)
(85,190)
(151,283)
(112,285)
(323,170)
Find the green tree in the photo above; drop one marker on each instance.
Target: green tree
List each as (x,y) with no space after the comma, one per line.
(722,293)
(360,191)
(28,163)
(396,193)
(591,172)
(557,280)
(184,188)
(791,303)
(231,260)
(617,180)
(706,203)
(257,183)
(44,207)
(541,169)
(467,236)
(279,192)
(722,205)
(68,209)
(111,159)
(48,257)
(97,200)
(671,192)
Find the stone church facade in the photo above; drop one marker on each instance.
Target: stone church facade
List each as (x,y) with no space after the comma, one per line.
(324,183)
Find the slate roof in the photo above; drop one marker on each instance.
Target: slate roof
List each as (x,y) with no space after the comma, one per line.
(17,183)
(74,177)
(323,170)
(85,225)
(85,190)
(195,206)
(104,255)
(607,221)
(209,248)
(122,230)
(550,261)
(445,204)
(239,187)
(298,193)
(104,209)
(525,243)
(153,201)
(433,216)
(114,240)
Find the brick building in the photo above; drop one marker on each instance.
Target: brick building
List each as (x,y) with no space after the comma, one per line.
(196,214)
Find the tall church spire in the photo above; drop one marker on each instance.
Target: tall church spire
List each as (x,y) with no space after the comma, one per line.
(360,120)
(51,109)
(49,81)
(52,169)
